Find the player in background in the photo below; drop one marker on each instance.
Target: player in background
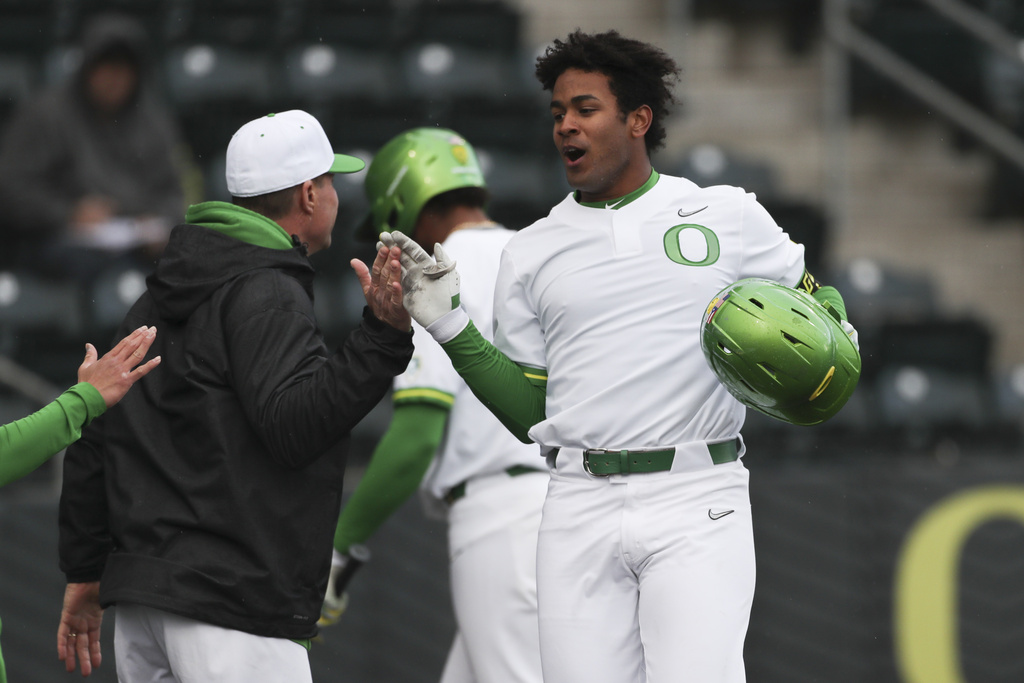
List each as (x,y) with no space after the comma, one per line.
(27,443)
(645,560)
(471,470)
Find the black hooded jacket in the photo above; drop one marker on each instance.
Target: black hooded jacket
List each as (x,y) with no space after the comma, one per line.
(212,490)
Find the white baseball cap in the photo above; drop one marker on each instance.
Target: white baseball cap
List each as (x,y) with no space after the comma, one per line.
(282,150)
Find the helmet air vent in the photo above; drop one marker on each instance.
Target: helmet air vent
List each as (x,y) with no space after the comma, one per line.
(792,340)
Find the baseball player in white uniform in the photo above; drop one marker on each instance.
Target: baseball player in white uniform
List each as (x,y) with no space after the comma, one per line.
(488,484)
(645,557)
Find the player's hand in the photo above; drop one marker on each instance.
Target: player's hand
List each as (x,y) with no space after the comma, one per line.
(335,603)
(430,283)
(343,568)
(78,636)
(847,326)
(113,374)
(382,287)
(851,332)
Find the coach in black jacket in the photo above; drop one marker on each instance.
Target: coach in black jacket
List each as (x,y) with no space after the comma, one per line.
(204,505)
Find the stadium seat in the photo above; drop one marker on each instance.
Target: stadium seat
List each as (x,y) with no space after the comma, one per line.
(214,89)
(31,304)
(876,293)
(320,73)
(205,72)
(258,25)
(922,403)
(41,324)
(932,379)
(1008,388)
(368,124)
(441,71)
(490,25)
(112,293)
(519,123)
(952,344)
(358,25)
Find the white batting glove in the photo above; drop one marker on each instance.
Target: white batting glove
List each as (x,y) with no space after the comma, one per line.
(430,285)
(336,599)
(343,568)
(851,332)
(846,325)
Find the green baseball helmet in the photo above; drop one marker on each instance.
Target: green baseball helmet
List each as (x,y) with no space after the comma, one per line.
(410,170)
(779,351)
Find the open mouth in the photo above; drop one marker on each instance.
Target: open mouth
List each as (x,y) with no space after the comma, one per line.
(573,154)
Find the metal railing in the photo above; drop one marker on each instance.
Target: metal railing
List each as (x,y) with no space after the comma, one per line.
(846,41)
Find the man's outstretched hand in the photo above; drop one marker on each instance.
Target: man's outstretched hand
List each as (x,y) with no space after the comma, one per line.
(382,287)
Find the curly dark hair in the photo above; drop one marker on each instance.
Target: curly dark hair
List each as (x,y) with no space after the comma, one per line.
(638,73)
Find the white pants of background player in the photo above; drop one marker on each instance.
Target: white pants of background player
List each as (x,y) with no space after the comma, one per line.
(152,646)
(492,543)
(638,582)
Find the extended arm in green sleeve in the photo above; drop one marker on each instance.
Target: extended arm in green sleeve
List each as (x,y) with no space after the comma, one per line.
(396,469)
(27,443)
(515,394)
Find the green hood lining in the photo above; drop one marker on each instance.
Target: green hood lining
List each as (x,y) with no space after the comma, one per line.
(239,223)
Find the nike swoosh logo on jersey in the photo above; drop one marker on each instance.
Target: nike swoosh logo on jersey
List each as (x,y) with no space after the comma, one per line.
(718,515)
(683,214)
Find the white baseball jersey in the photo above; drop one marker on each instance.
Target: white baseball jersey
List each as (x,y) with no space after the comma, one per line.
(611,303)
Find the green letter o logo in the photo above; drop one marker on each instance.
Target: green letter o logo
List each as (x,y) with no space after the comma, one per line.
(675,253)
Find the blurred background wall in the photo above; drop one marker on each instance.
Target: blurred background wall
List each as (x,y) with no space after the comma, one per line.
(883,134)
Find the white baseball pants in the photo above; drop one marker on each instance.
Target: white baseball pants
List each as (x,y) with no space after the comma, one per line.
(645,577)
(492,538)
(152,646)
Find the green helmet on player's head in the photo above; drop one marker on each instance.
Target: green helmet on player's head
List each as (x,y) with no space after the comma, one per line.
(410,170)
(779,351)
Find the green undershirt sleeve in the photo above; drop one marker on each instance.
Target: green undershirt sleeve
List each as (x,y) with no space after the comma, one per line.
(27,443)
(829,297)
(396,469)
(515,394)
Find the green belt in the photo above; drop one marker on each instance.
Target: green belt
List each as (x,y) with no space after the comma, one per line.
(459,490)
(601,462)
